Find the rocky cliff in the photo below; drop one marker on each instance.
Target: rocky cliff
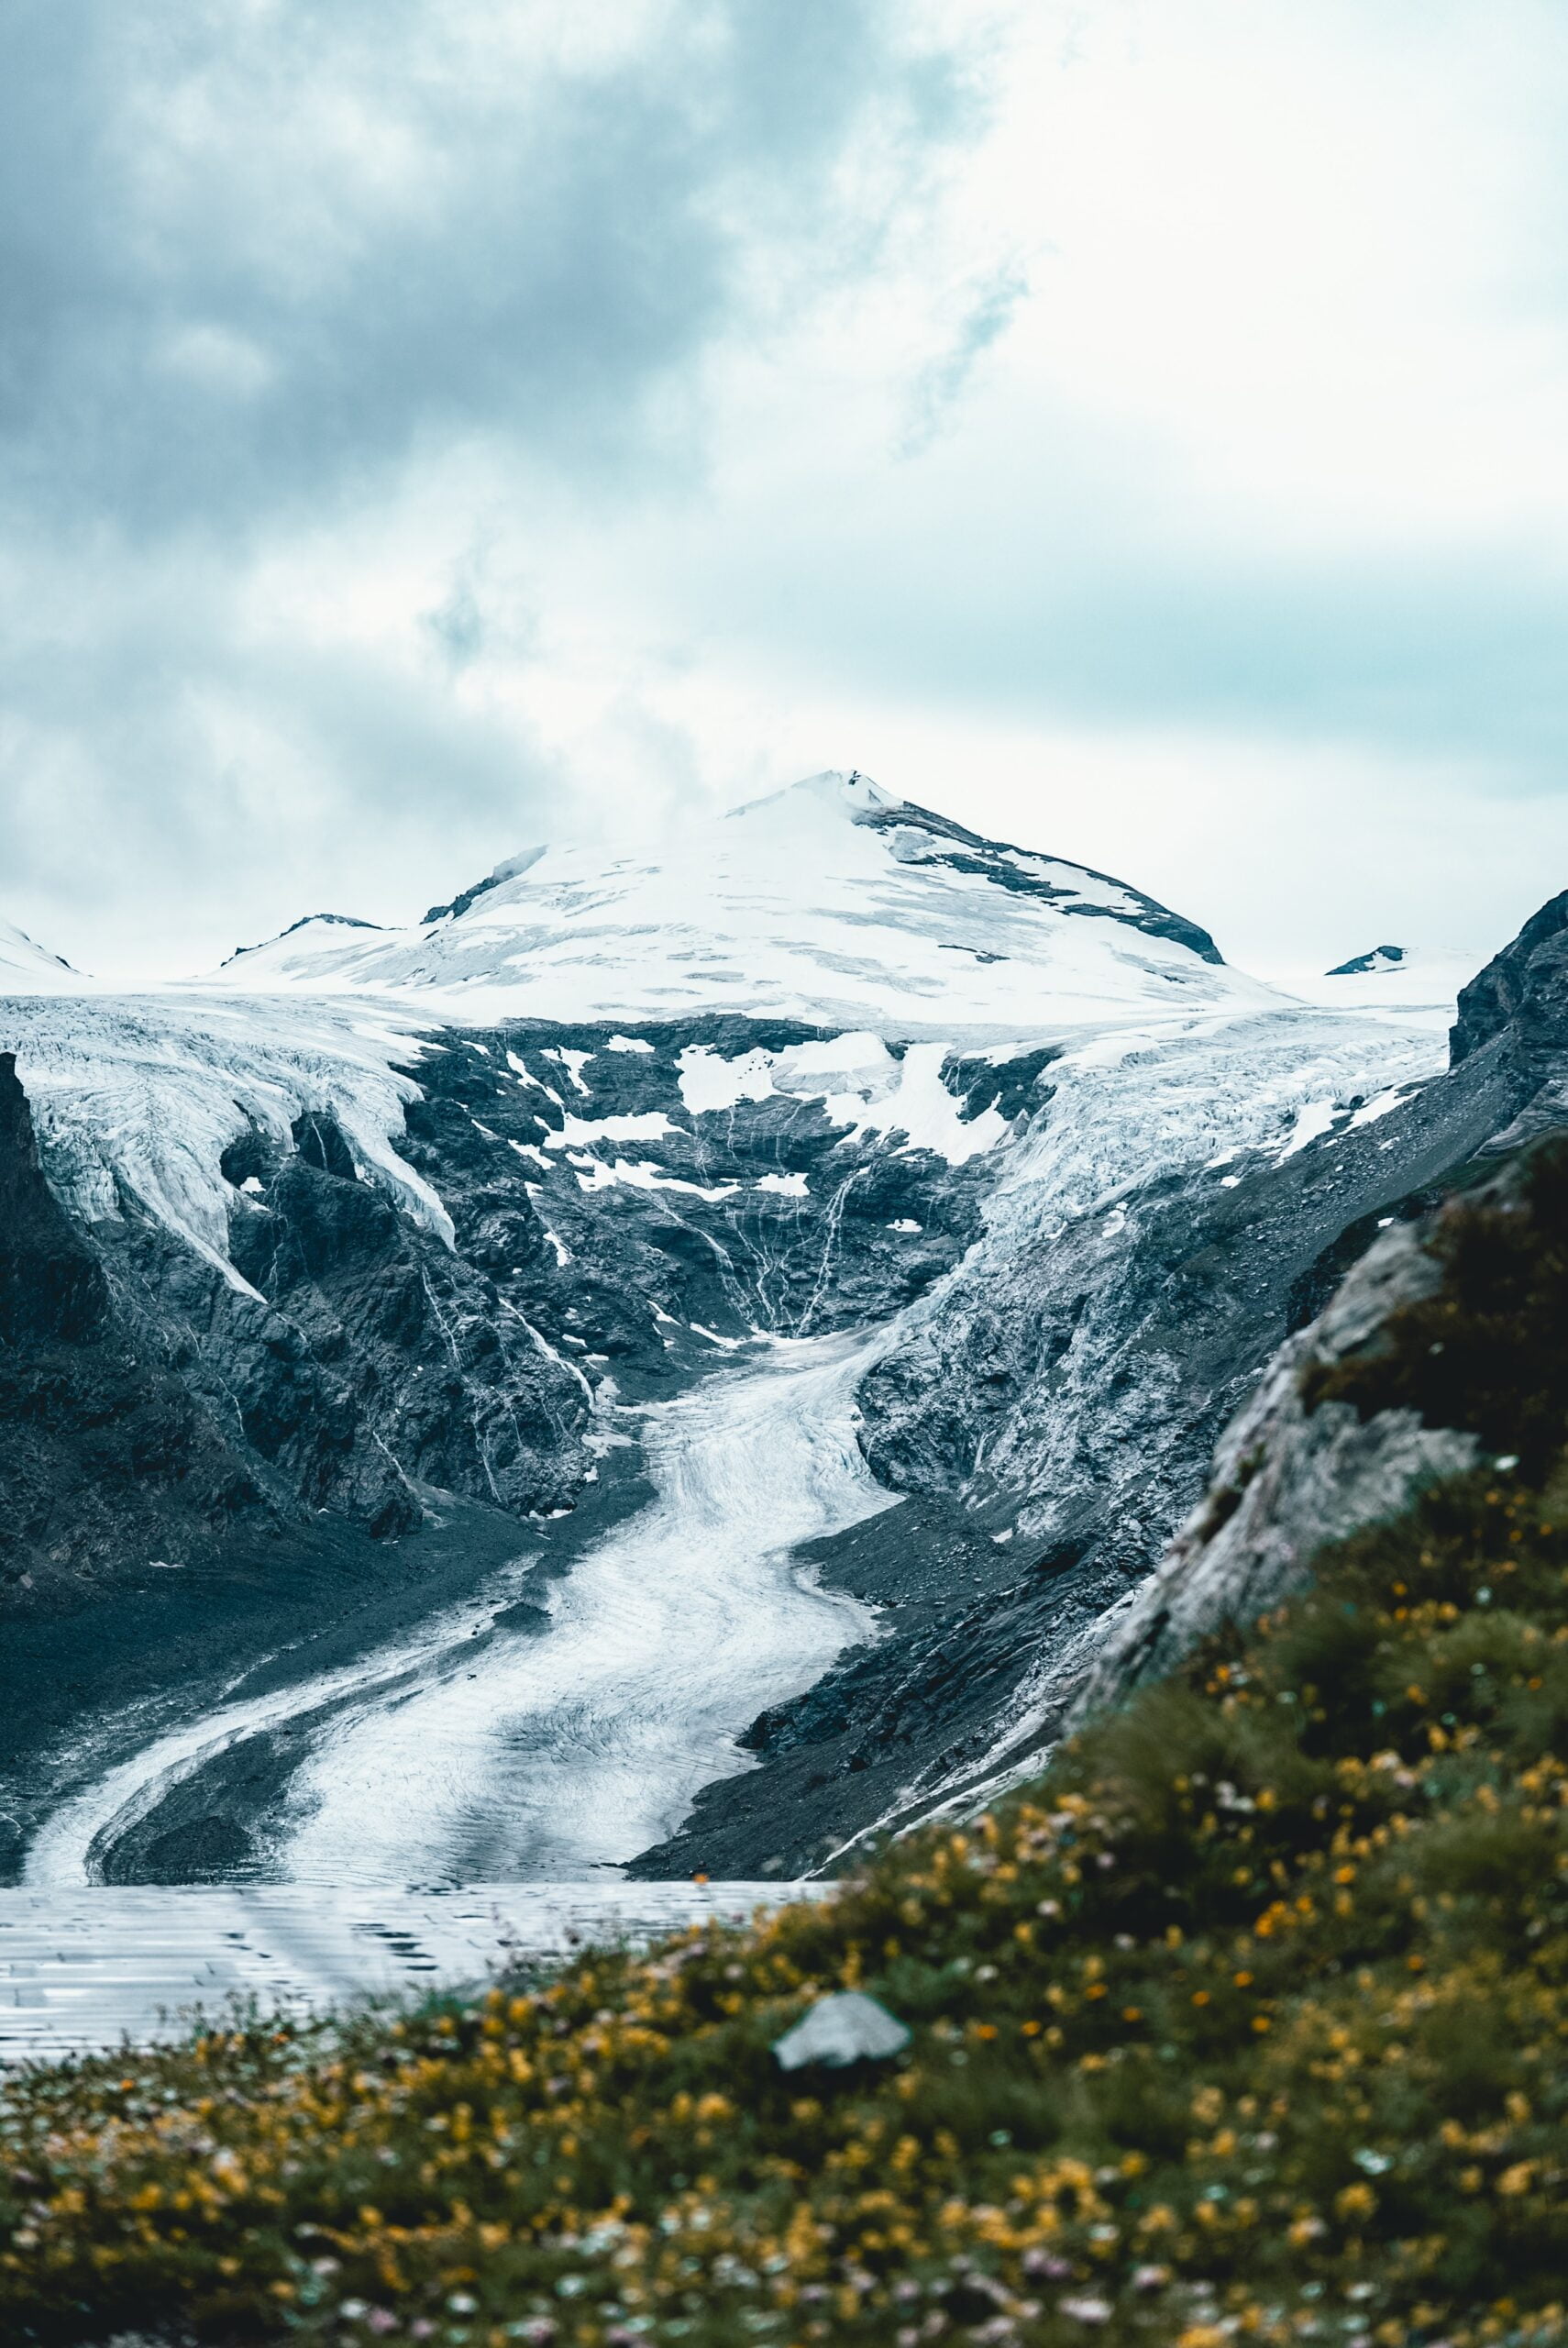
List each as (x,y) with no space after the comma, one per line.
(103,1446)
(1136,1299)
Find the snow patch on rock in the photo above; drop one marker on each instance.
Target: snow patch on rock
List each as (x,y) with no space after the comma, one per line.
(861,1084)
(142,1095)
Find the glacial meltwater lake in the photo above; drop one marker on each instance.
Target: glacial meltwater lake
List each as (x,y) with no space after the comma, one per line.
(83,1969)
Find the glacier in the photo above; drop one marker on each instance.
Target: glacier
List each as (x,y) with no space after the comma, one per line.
(917,1205)
(555,1755)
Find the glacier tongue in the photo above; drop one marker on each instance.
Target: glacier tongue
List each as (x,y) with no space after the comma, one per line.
(472,1750)
(571,1753)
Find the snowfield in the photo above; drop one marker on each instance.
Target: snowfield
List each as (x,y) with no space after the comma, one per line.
(818,903)
(29,969)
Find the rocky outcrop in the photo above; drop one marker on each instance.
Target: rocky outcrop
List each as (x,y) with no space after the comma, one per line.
(377,1330)
(1288,1479)
(1514,1016)
(346,1358)
(1144,1289)
(104,1450)
(652,1216)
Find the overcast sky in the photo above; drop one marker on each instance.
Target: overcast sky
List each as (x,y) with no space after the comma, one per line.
(1140,431)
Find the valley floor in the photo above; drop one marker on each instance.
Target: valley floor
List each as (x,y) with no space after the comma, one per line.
(551,1723)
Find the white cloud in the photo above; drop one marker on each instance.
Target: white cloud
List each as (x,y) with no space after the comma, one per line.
(1134,428)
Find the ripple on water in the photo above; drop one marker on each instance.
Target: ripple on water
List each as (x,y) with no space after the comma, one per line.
(85,1969)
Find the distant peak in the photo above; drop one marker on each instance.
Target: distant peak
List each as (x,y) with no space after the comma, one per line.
(306,921)
(13,936)
(1380,957)
(510,868)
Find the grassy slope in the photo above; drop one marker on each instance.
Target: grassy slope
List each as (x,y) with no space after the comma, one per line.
(1249,2020)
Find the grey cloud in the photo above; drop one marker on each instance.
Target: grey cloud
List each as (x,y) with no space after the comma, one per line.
(457,624)
(940,385)
(165,777)
(1056,599)
(483,612)
(248,254)
(265,264)
(1440,658)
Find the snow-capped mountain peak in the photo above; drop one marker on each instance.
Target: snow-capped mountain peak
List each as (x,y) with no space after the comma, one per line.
(309,930)
(26,968)
(853,794)
(834,900)
(1414,982)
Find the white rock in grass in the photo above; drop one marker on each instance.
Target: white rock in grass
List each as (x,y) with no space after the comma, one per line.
(848,2028)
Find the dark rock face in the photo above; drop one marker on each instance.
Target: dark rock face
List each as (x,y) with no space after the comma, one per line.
(1068,1387)
(358,1365)
(103,1449)
(379,1329)
(1519,1001)
(1380,957)
(52,1288)
(617,1243)
(921,837)
(508,871)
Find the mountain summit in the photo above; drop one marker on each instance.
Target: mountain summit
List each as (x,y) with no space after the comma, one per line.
(832,900)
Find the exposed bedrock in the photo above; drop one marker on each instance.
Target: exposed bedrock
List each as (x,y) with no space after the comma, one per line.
(103,1446)
(1065,1389)
(658,1213)
(1289,1475)
(608,1235)
(385,1362)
